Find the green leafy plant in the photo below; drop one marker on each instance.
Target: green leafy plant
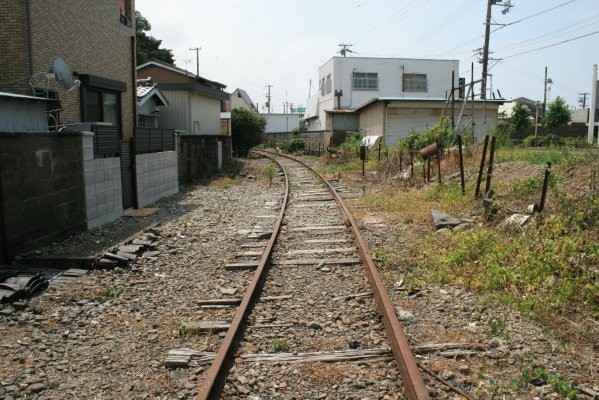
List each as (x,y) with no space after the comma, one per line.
(278,345)
(269,172)
(110,294)
(295,144)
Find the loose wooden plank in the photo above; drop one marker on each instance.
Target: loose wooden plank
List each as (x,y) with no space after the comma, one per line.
(221,302)
(268,326)
(326,241)
(249,254)
(253,245)
(187,357)
(323,199)
(207,326)
(322,251)
(241,266)
(320,356)
(317,228)
(432,347)
(351,296)
(318,261)
(260,235)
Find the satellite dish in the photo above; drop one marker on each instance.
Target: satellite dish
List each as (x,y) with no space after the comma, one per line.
(62,73)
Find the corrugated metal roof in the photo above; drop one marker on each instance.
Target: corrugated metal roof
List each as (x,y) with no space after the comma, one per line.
(22,96)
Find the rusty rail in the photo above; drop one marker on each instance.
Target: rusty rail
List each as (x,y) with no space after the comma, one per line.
(215,376)
(411,377)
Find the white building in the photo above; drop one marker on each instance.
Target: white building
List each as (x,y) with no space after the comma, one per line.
(346,83)
(276,123)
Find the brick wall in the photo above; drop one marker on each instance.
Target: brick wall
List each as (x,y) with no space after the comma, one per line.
(14,62)
(42,190)
(87,34)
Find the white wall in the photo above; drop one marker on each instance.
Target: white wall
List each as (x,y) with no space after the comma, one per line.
(281,122)
(390,79)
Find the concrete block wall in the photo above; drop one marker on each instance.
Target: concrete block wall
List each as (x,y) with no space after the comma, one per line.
(156,176)
(42,191)
(103,192)
(200,156)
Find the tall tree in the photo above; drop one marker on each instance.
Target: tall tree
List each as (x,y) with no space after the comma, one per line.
(148,47)
(519,123)
(246,130)
(558,114)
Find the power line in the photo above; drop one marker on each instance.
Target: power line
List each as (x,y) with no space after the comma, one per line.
(551,45)
(533,15)
(498,28)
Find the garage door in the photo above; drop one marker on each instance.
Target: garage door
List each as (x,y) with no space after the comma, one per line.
(402,121)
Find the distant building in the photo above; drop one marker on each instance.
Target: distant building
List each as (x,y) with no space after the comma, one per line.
(240,99)
(346,83)
(281,122)
(195,102)
(150,100)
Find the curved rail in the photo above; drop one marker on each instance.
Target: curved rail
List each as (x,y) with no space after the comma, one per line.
(215,376)
(411,377)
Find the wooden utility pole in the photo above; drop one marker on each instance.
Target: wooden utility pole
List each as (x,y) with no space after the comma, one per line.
(197,50)
(268,97)
(483,86)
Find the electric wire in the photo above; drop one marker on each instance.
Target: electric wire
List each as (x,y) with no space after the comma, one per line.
(551,45)
(470,41)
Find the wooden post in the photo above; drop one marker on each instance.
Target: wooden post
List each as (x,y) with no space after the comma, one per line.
(439,164)
(482,166)
(461,164)
(490,169)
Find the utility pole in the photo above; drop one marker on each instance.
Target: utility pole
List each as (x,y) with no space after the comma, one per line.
(345,49)
(268,97)
(197,50)
(582,100)
(483,86)
(546,81)
(485,50)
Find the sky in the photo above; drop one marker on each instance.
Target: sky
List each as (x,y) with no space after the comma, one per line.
(251,44)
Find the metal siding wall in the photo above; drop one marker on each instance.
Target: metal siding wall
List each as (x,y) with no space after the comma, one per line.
(372,119)
(206,111)
(400,122)
(22,116)
(176,115)
(346,122)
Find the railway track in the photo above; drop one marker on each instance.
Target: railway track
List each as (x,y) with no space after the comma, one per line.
(315,320)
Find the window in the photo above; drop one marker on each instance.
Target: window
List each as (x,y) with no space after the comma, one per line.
(415,83)
(329,84)
(101,106)
(365,81)
(101,99)
(322,87)
(125,12)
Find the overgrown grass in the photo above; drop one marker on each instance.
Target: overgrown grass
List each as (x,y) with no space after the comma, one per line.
(547,270)
(540,156)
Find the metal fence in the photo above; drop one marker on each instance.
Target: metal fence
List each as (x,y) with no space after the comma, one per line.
(153,140)
(107,142)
